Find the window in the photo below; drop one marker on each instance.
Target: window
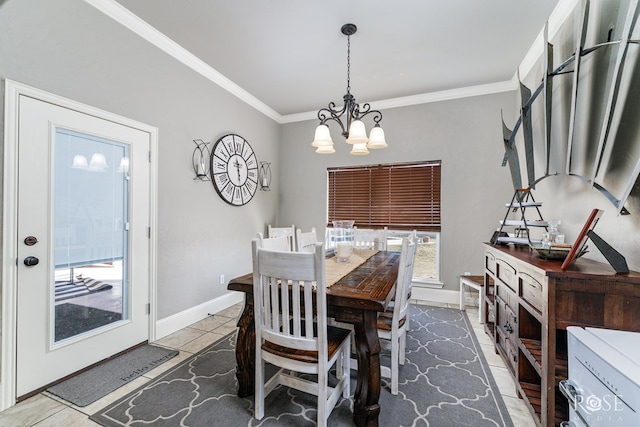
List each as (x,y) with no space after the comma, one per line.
(401,197)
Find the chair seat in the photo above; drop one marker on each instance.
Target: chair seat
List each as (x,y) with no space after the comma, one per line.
(335,338)
(385,320)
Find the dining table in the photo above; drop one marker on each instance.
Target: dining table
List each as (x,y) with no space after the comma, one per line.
(355,298)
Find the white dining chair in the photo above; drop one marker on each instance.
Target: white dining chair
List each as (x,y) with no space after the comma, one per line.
(279,243)
(306,240)
(291,331)
(367,238)
(393,324)
(289,232)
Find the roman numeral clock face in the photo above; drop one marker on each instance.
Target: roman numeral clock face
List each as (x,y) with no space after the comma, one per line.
(234,170)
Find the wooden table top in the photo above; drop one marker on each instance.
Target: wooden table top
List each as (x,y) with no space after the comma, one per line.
(367,287)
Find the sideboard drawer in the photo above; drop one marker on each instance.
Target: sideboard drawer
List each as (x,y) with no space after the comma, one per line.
(531,291)
(507,274)
(490,262)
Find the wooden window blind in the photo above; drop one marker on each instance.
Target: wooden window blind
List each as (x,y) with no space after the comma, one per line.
(403,196)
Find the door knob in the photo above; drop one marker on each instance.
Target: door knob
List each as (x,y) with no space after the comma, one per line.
(31,261)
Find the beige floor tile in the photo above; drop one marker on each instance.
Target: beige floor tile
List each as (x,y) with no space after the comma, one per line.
(518,411)
(493,359)
(68,417)
(31,411)
(433,304)
(212,322)
(201,342)
(504,380)
(56,398)
(180,338)
(482,337)
(232,312)
(227,328)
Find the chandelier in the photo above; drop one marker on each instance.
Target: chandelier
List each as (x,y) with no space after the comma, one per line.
(353,130)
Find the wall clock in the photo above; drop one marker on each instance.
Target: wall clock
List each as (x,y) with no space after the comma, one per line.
(234,169)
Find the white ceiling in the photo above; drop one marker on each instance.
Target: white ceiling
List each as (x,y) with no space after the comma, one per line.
(291,55)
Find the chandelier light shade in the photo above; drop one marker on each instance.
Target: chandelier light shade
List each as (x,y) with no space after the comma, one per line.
(323,137)
(376,138)
(353,129)
(98,162)
(80,162)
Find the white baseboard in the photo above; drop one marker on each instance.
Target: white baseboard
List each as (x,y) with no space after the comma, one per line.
(177,321)
(181,320)
(435,295)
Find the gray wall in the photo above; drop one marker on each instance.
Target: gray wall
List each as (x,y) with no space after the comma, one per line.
(465,134)
(68,48)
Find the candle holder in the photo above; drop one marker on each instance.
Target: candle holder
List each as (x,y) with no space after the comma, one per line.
(264,176)
(343,235)
(200,160)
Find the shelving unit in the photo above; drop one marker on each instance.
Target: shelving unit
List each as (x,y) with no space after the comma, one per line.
(521,201)
(529,304)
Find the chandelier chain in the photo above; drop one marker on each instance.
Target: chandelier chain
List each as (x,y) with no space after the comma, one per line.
(348,64)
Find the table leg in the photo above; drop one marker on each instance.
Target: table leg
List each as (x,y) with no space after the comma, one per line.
(367,394)
(245,351)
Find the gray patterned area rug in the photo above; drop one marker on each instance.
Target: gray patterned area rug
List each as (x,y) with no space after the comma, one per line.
(445,382)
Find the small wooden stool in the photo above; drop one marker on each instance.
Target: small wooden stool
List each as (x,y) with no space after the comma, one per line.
(475,282)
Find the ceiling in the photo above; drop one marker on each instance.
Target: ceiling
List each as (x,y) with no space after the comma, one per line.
(291,56)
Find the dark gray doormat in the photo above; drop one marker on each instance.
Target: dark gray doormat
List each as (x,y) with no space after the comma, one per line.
(89,386)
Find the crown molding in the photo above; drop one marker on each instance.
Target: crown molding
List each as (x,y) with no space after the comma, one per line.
(424,98)
(129,20)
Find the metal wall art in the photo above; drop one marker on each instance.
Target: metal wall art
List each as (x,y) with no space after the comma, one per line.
(586,124)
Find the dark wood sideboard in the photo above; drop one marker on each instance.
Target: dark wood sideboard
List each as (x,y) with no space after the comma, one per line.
(529,304)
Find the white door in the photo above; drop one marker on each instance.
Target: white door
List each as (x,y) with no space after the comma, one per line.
(83,253)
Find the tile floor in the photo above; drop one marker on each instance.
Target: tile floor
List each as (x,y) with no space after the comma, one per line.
(45,409)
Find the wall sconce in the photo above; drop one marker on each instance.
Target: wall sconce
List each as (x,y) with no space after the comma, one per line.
(265,176)
(200,160)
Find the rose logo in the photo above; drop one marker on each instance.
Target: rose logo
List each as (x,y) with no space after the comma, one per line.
(593,403)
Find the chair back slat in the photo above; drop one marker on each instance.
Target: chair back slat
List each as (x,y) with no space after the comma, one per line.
(365,238)
(278,243)
(294,283)
(405,275)
(284,307)
(288,232)
(306,240)
(275,304)
(308,309)
(296,288)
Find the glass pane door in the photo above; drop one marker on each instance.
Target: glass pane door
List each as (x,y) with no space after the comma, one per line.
(90,233)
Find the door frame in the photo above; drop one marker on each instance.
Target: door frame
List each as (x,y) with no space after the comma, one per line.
(12,93)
